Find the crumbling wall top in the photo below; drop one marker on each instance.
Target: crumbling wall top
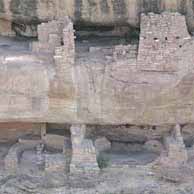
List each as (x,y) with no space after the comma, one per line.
(51,35)
(165,25)
(162,36)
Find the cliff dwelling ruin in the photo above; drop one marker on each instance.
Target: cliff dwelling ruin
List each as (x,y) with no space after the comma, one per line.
(78,101)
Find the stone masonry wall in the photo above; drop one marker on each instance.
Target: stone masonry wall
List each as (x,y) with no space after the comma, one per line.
(56,39)
(49,36)
(64,59)
(161,36)
(13,131)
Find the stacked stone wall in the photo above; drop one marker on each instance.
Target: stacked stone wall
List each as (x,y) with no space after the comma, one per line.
(49,36)
(13,131)
(162,35)
(64,61)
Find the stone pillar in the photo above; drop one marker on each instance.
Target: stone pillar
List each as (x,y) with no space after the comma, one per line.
(178,136)
(175,147)
(83,151)
(173,164)
(180,152)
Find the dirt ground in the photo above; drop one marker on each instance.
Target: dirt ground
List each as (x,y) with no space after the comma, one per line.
(134,180)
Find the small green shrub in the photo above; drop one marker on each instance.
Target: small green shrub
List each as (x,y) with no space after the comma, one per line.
(133,35)
(103,161)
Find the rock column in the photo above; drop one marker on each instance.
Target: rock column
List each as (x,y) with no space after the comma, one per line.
(177,152)
(83,151)
(173,165)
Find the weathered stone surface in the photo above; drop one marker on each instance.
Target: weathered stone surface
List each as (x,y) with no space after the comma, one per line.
(176,151)
(129,134)
(11,132)
(55,163)
(2,8)
(173,164)
(83,152)
(91,12)
(30,72)
(188,134)
(54,141)
(153,146)
(32,80)
(12,159)
(153,85)
(67,151)
(6,28)
(25,8)
(154,90)
(21,30)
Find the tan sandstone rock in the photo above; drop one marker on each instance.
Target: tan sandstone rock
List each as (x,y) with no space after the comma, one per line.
(96,12)
(151,86)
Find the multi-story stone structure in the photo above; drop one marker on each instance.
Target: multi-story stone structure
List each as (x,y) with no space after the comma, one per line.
(122,84)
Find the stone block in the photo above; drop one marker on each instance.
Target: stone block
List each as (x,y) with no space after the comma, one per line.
(54,141)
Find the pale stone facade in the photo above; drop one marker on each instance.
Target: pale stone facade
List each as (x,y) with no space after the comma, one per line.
(122,12)
(121,84)
(49,36)
(160,40)
(147,85)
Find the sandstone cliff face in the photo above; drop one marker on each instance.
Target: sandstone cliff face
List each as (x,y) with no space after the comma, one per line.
(62,82)
(105,12)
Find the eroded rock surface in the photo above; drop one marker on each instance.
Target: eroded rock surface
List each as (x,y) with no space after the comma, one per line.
(150,83)
(28,13)
(134,172)
(138,96)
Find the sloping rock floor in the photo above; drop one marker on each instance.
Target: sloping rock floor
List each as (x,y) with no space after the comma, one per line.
(134,180)
(129,173)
